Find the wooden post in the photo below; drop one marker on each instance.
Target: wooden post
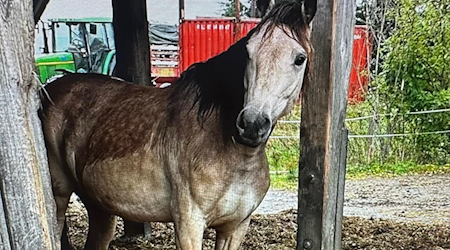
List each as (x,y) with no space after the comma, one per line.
(237,21)
(181,8)
(27,209)
(132,41)
(253,8)
(323,135)
(38,8)
(133,61)
(237,10)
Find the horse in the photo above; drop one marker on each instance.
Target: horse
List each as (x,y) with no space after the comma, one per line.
(193,153)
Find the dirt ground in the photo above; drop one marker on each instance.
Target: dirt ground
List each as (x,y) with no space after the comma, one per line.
(409,212)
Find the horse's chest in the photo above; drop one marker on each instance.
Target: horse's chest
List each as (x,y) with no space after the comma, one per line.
(238,201)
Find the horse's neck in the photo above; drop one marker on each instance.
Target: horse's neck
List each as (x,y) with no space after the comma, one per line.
(215,88)
(226,73)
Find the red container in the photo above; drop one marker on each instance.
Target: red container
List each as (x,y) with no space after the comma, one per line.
(359,77)
(245,26)
(201,39)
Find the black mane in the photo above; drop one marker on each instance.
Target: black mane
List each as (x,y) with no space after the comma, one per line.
(218,82)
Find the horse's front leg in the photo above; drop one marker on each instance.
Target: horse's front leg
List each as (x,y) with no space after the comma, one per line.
(101,227)
(231,238)
(189,224)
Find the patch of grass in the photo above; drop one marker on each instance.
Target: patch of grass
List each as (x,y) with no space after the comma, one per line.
(377,169)
(288,181)
(284,181)
(283,154)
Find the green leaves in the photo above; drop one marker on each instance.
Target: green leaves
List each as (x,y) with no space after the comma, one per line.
(416,72)
(229,9)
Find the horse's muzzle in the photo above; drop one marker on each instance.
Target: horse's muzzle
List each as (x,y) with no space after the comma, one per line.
(253,127)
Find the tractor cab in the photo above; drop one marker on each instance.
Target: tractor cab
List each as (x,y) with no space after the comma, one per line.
(77,45)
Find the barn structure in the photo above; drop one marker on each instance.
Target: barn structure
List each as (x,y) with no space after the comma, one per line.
(26,205)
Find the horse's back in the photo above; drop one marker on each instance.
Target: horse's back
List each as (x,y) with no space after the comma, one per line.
(72,104)
(80,92)
(88,110)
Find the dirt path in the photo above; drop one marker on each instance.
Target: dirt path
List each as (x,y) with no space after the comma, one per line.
(380,214)
(417,198)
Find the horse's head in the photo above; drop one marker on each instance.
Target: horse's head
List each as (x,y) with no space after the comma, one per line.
(278,49)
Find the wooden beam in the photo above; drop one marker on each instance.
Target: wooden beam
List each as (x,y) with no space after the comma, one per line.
(38,8)
(181,9)
(132,62)
(132,41)
(237,24)
(323,135)
(27,207)
(253,8)
(237,10)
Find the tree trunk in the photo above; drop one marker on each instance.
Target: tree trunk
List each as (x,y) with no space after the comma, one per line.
(27,209)
(132,41)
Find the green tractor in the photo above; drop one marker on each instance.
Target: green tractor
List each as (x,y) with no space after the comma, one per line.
(77,45)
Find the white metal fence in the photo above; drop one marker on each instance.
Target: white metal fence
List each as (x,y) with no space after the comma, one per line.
(374,135)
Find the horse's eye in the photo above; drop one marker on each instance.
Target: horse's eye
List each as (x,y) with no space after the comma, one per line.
(299,60)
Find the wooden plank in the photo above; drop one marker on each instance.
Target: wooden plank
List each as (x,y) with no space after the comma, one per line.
(27,205)
(322,134)
(132,41)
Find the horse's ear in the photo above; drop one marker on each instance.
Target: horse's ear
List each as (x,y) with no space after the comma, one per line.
(309,8)
(264,6)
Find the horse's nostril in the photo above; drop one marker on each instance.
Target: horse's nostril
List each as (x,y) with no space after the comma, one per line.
(264,125)
(264,121)
(240,122)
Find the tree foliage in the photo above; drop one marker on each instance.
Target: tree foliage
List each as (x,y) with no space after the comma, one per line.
(415,73)
(229,9)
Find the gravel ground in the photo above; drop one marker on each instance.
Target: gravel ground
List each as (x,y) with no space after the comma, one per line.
(416,198)
(408,212)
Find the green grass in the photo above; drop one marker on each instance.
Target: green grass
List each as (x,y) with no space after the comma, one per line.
(288,181)
(283,154)
(283,182)
(402,158)
(393,169)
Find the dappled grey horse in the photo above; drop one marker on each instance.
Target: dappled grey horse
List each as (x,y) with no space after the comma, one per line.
(200,160)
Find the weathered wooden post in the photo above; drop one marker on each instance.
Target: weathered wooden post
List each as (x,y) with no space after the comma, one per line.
(181,13)
(132,61)
(237,24)
(38,8)
(27,209)
(322,134)
(132,41)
